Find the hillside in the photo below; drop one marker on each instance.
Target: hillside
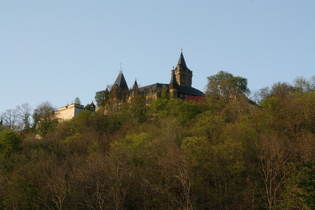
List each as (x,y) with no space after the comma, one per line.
(224,153)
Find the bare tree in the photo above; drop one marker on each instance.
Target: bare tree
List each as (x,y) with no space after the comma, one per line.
(9,119)
(24,115)
(275,167)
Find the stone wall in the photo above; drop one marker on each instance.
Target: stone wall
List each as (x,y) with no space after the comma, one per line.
(68,112)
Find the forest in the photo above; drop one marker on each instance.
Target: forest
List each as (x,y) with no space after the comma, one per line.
(226,153)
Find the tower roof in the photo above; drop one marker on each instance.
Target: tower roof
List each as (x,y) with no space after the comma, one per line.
(181,61)
(135,85)
(92,105)
(121,82)
(173,81)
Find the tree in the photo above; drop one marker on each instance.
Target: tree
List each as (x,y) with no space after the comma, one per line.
(10,119)
(307,183)
(281,89)
(304,85)
(165,92)
(158,108)
(18,118)
(102,97)
(44,119)
(274,155)
(9,142)
(138,108)
(77,100)
(224,86)
(24,114)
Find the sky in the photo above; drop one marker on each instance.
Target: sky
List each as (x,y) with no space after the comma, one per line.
(58,50)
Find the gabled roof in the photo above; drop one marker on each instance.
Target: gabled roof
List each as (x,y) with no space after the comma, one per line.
(121,82)
(181,61)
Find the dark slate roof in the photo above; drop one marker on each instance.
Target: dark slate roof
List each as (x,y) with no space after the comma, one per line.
(152,88)
(181,89)
(135,85)
(121,82)
(181,61)
(189,91)
(92,105)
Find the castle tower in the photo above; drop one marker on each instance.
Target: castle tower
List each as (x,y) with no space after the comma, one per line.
(120,88)
(173,86)
(135,88)
(92,107)
(135,85)
(182,73)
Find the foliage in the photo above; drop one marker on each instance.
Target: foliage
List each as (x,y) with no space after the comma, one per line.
(102,97)
(44,119)
(226,153)
(9,142)
(77,100)
(307,183)
(224,85)
(138,108)
(17,119)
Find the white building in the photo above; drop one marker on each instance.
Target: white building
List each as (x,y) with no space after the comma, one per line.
(68,112)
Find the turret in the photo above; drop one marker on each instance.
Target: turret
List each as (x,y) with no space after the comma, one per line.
(135,88)
(173,85)
(92,107)
(120,88)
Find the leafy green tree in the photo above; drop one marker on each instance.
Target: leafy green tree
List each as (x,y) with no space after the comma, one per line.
(81,122)
(307,183)
(184,111)
(9,142)
(102,97)
(225,85)
(158,108)
(138,108)
(209,125)
(165,92)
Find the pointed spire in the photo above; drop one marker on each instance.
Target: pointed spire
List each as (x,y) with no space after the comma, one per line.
(92,106)
(121,82)
(135,88)
(173,82)
(181,61)
(135,85)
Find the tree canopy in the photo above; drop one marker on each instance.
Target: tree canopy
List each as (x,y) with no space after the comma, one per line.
(225,85)
(177,154)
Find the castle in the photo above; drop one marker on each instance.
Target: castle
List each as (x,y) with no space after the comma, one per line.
(179,87)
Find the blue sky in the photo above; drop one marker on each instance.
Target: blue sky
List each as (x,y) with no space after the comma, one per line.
(59,50)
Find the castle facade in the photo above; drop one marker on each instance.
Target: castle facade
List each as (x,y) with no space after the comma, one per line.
(180,86)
